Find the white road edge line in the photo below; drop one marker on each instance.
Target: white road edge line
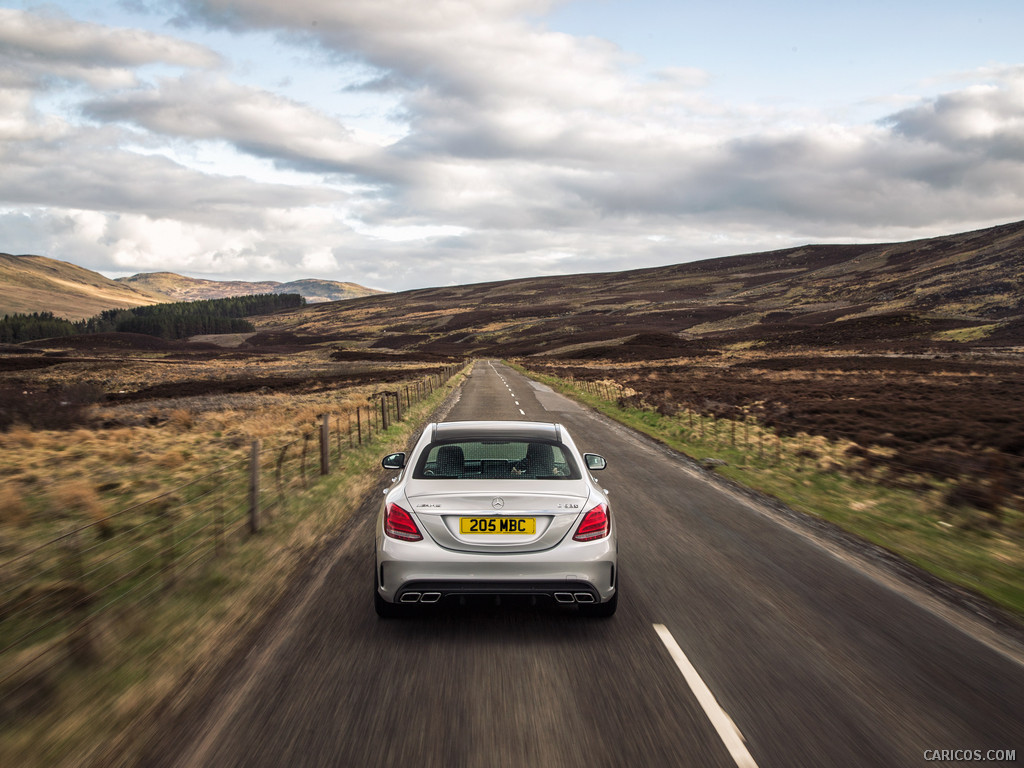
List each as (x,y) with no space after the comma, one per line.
(727,730)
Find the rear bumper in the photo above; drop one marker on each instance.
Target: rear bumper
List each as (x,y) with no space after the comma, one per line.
(585,572)
(580,592)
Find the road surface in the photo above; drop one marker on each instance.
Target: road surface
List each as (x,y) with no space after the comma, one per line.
(739,640)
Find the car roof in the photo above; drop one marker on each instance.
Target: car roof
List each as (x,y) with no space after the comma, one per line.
(497,430)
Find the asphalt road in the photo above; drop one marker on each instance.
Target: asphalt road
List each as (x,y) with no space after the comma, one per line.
(794,655)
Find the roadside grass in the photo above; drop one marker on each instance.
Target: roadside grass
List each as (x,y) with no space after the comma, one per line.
(981,551)
(57,476)
(146,658)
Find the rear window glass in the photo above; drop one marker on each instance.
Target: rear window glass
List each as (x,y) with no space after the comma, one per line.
(496,459)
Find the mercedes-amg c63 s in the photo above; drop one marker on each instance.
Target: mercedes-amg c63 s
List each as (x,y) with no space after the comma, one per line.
(495,508)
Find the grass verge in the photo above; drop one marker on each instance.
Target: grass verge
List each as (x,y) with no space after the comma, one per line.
(818,477)
(102,712)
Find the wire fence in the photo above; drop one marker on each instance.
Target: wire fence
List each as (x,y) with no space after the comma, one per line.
(55,595)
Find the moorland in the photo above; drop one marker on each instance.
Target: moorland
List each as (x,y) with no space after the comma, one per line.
(907,354)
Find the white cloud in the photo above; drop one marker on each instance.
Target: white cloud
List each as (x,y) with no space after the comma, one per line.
(254,121)
(21,122)
(40,47)
(986,118)
(319,262)
(89,172)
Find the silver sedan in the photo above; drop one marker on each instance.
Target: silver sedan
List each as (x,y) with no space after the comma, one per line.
(495,508)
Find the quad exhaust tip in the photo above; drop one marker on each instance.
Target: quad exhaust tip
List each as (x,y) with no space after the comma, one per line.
(574,597)
(420,597)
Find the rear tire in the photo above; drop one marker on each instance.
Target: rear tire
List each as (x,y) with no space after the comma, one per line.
(602,610)
(383,608)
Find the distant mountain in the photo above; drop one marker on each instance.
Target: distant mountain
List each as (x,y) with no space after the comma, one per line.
(943,292)
(174,287)
(326,290)
(40,284)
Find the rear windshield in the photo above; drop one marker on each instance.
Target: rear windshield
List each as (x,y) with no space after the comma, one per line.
(496,459)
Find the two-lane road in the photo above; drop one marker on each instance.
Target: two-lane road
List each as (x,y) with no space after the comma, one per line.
(738,641)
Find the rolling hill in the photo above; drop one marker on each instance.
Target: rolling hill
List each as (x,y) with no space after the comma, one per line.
(913,295)
(40,284)
(174,287)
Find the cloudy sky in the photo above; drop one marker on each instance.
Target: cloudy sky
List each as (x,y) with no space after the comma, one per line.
(411,143)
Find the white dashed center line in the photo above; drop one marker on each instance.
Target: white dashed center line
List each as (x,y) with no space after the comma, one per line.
(509,388)
(727,730)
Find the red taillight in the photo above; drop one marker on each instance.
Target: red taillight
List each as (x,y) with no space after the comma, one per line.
(595,525)
(398,524)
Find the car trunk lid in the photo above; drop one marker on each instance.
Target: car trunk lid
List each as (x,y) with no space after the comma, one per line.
(552,512)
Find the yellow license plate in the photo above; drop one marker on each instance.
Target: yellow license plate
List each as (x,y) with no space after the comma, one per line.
(520,525)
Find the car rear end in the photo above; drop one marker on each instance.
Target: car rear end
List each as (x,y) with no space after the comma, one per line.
(517,513)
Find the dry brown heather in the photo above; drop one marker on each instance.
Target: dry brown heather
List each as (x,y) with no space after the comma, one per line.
(957,419)
(162,418)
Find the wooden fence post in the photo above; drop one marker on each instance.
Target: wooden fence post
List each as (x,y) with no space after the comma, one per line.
(279,473)
(80,645)
(254,487)
(325,444)
(169,547)
(218,525)
(305,449)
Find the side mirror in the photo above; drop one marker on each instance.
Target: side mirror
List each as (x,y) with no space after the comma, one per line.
(594,462)
(393,461)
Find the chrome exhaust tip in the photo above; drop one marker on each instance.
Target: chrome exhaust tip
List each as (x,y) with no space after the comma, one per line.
(430,597)
(564,597)
(584,597)
(411,597)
